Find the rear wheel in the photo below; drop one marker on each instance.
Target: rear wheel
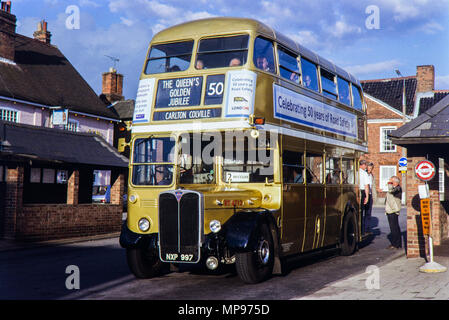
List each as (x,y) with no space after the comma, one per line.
(348,243)
(257,266)
(143,263)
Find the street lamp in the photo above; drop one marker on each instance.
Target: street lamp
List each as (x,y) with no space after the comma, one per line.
(404,117)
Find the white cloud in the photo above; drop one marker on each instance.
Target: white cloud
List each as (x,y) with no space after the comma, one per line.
(368,68)
(126,22)
(442,82)
(90,3)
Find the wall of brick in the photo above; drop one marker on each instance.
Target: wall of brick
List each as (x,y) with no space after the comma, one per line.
(376,112)
(417,243)
(49,222)
(13,200)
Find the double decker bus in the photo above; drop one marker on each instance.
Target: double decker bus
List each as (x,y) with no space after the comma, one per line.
(244,150)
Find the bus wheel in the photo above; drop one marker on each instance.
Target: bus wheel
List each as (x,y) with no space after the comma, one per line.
(348,243)
(144,263)
(256,266)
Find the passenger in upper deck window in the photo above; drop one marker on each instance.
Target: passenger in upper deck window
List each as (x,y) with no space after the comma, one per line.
(307,81)
(235,62)
(199,64)
(262,63)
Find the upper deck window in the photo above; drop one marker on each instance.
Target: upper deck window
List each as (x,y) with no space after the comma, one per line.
(222,52)
(344,94)
(288,65)
(328,84)
(169,57)
(263,54)
(357,97)
(309,74)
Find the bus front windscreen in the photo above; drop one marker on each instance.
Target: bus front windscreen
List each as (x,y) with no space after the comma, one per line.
(169,57)
(153,162)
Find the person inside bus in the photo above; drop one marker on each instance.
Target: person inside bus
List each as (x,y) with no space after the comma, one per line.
(307,81)
(199,65)
(262,63)
(297,175)
(235,62)
(334,176)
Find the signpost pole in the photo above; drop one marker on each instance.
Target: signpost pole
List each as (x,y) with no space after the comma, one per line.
(425,171)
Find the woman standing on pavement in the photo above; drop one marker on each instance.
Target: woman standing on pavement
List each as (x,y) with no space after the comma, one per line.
(392,210)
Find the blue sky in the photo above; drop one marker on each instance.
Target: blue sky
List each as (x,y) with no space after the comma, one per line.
(408,32)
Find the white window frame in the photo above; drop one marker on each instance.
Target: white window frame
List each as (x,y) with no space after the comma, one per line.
(382,141)
(384,187)
(10,110)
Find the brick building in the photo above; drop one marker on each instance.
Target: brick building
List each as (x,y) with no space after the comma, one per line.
(427,138)
(44,181)
(384,98)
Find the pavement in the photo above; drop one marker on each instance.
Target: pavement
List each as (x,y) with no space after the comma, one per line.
(397,278)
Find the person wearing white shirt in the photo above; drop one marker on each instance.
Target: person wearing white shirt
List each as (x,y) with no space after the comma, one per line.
(364,184)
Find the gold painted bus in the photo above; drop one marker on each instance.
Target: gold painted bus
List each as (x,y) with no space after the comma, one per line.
(244,151)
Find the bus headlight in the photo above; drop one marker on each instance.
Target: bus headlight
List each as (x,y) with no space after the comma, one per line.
(215,226)
(132,198)
(144,225)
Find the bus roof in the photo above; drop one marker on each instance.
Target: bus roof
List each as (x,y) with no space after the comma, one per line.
(228,25)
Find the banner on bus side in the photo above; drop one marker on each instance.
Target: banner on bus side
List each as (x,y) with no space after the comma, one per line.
(144,99)
(294,107)
(241,89)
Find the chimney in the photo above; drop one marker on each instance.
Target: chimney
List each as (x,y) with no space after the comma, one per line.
(425,76)
(113,86)
(7,31)
(42,34)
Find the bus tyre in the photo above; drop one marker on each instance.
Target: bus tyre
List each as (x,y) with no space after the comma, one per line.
(143,263)
(257,266)
(348,243)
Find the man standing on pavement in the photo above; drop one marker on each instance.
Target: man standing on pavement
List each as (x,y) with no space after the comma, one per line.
(364,184)
(392,210)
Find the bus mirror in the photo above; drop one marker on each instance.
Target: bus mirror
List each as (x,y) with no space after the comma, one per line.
(122,145)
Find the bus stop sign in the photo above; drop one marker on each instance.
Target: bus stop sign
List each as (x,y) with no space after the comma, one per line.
(425,170)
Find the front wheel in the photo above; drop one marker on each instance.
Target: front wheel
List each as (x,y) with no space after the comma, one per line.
(257,266)
(143,263)
(348,243)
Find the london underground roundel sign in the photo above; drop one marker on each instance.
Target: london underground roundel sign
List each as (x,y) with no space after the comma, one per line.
(425,170)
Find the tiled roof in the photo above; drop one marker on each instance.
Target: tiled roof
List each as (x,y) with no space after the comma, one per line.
(433,123)
(49,144)
(43,75)
(124,109)
(390,91)
(426,103)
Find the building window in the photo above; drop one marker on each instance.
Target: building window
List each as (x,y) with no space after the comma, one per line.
(386,172)
(9,115)
(385,142)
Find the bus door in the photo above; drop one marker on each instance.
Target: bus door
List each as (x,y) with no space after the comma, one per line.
(293,202)
(315,201)
(333,200)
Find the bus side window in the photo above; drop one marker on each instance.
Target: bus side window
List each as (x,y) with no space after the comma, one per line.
(328,84)
(357,97)
(333,171)
(292,167)
(288,65)
(263,55)
(314,165)
(344,94)
(347,170)
(309,72)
